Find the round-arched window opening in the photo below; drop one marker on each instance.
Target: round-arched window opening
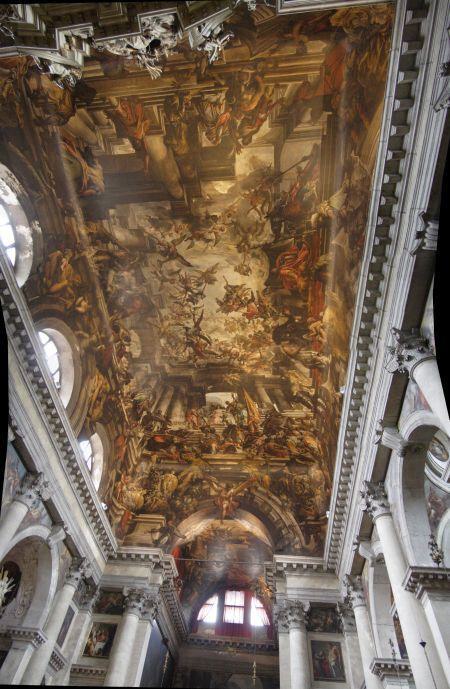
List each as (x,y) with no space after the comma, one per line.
(92,451)
(59,359)
(438,456)
(16,236)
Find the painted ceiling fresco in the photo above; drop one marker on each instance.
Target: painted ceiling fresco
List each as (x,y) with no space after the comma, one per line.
(205,248)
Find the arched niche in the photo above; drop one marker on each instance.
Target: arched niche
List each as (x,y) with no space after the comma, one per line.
(408,498)
(39,565)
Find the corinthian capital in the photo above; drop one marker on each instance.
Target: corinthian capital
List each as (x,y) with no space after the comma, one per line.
(296,613)
(32,490)
(79,569)
(88,597)
(410,349)
(141,602)
(346,616)
(374,500)
(281,620)
(355,591)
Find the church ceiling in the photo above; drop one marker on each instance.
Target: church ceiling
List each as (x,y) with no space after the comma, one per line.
(203,234)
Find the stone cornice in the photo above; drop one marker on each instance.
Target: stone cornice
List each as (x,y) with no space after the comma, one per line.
(172,602)
(225,642)
(405,82)
(85,671)
(421,579)
(387,668)
(23,339)
(57,660)
(34,636)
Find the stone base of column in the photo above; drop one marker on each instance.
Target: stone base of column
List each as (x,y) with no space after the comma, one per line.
(24,642)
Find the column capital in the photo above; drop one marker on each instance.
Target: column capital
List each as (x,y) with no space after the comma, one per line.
(79,569)
(409,350)
(141,602)
(296,613)
(355,591)
(281,620)
(88,597)
(345,613)
(32,490)
(374,500)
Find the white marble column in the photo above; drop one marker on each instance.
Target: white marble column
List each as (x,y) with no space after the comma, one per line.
(136,603)
(142,640)
(23,642)
(39,661)
(76,640)
(357,600)
(32,489)
(414,356)
(355,666)
(296,612)
(283,648)
(425,663)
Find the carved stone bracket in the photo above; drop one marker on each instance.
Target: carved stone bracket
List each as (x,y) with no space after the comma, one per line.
(443,100)
(374,500)
(427,235)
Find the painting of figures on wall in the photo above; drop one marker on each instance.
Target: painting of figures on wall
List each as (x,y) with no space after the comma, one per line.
(327,661)
(110,603)
(100,640)
(324,619)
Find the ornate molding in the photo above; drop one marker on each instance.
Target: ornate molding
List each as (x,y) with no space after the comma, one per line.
(23,338)
(419,580)
(57,661)
(30,634)
(88,671)
(224,643)
(374,500)
(382,228)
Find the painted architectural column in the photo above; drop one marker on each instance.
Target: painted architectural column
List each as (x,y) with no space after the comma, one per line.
(358,602)
(296,612)
(38,664)
(76,640)
(135,603)
(356,670)
(423,657)
(413,355)
(263,397)
(32,489)
(164,401)
(283,649)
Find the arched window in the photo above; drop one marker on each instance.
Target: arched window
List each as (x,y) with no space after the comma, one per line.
(92,451)
(59,359)
(16,235)
(51,357)
(233,613)
(7,235)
